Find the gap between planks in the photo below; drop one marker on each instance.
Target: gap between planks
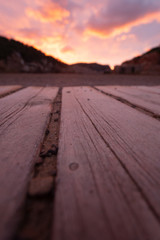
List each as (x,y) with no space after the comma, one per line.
(24,116)
(140,108)
(37,219)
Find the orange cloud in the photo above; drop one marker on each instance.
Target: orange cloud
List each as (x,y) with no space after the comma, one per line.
(104,32)
(126,37)
(67,49)
(49,12)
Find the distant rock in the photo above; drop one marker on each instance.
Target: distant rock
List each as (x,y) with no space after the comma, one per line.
(148,63)
(127,69)
(88,68)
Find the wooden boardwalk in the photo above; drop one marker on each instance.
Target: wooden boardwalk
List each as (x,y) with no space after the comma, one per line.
(108,180)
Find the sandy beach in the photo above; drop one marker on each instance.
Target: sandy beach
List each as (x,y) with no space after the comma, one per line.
(63,80)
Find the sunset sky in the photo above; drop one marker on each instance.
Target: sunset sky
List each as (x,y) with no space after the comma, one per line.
(103,31)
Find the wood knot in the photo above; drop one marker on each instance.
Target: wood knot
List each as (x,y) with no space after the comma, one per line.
(73,166)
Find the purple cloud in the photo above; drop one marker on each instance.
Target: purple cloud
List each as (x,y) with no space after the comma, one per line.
(121,12)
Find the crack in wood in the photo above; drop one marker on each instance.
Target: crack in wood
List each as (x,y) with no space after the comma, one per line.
(19,109)
(152,209)
(116,136)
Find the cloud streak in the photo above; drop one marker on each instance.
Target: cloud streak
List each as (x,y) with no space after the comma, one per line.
(120,15)
(67,49)
(49,12)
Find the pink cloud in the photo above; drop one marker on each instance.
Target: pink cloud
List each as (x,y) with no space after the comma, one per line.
(67,49)
(30,32)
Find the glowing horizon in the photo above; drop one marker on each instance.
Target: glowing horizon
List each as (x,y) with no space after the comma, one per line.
(105,32)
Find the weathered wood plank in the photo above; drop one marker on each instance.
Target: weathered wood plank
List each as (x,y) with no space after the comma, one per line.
(108,170)
(23,119)
(8,89)
(138,97)
(155,90)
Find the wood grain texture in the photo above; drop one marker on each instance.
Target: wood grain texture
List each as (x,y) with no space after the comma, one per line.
(138,97)
(23,120)
(108,170)
(8,89)
(155,90)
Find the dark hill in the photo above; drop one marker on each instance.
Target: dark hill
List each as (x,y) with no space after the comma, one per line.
(147,63)
(18,57)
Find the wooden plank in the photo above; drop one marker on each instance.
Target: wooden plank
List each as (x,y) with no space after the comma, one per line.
(108,170)
(8,89)
(23,119)
(155,90)
(142,99)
